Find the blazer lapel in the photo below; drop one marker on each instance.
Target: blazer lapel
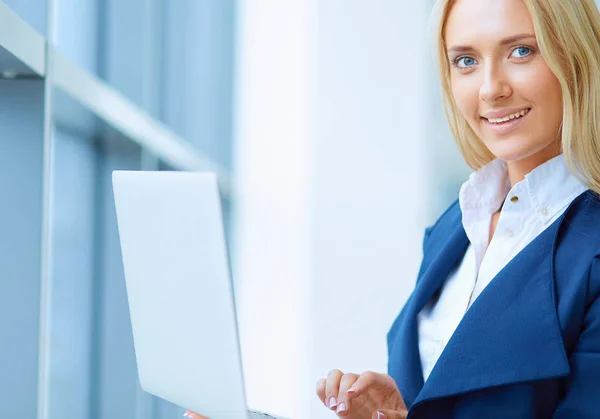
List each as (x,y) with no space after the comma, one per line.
(510,334)
(449,244)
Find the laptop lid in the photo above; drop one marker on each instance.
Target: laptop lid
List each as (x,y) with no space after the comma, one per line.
(179,290)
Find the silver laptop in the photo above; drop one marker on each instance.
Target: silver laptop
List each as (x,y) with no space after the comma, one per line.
(180,291)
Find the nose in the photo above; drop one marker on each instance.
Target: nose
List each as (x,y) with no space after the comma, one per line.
(495,85)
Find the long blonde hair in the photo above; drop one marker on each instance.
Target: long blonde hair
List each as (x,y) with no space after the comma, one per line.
(568,35)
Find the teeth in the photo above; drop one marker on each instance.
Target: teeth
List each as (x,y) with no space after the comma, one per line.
(508,117)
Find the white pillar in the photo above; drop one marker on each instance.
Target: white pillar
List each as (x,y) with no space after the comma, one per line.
(331,169)
(272,207)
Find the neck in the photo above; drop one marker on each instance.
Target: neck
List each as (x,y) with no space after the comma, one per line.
(519,168)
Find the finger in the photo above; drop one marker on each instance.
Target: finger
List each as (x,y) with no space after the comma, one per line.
(321,390)
(332,388)
(344,402)
(369,379)
(388,414)
(193,415)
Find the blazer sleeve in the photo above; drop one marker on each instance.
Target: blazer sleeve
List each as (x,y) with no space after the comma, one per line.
(582,399)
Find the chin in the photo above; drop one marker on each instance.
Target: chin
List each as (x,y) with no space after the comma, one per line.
(513,149)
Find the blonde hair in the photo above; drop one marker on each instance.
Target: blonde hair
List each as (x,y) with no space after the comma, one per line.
(568,35)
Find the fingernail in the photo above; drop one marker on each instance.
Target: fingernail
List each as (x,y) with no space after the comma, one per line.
(342,407)
(332,403)
(380,415)
(352,389)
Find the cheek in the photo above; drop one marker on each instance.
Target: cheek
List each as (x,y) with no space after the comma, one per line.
(542,88)
(466,96)
(553,99)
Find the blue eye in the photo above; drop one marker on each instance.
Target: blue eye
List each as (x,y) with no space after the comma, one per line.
(521,52)
(464,62)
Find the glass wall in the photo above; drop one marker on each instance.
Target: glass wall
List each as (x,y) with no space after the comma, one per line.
(67,348)
(21,214)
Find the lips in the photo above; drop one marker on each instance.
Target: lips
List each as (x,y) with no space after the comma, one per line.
(506,124)
(501,117)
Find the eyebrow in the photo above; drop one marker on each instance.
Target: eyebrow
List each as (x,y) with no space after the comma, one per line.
(509,40)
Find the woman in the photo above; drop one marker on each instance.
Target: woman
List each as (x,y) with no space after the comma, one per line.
(504,321)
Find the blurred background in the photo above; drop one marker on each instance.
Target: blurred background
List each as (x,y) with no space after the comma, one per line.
(324,122)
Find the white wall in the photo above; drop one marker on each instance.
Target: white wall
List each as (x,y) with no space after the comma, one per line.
(371,178)
(370,172)
(332,165)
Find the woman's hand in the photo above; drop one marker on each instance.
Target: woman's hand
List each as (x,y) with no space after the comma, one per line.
(366,396)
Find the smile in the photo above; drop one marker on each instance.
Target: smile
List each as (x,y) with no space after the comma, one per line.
(506,124)
(508,118)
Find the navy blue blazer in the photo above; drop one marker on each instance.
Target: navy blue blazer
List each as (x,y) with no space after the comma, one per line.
(529,346)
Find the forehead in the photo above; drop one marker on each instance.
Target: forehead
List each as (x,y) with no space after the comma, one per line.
(473,22)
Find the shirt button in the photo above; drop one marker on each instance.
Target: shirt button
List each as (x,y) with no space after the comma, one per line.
(509,232)
(544,211)
(514,199)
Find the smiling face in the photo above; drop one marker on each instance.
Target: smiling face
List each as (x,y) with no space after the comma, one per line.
(500,81)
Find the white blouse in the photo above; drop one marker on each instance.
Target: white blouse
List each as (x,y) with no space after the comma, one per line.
(527,210)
